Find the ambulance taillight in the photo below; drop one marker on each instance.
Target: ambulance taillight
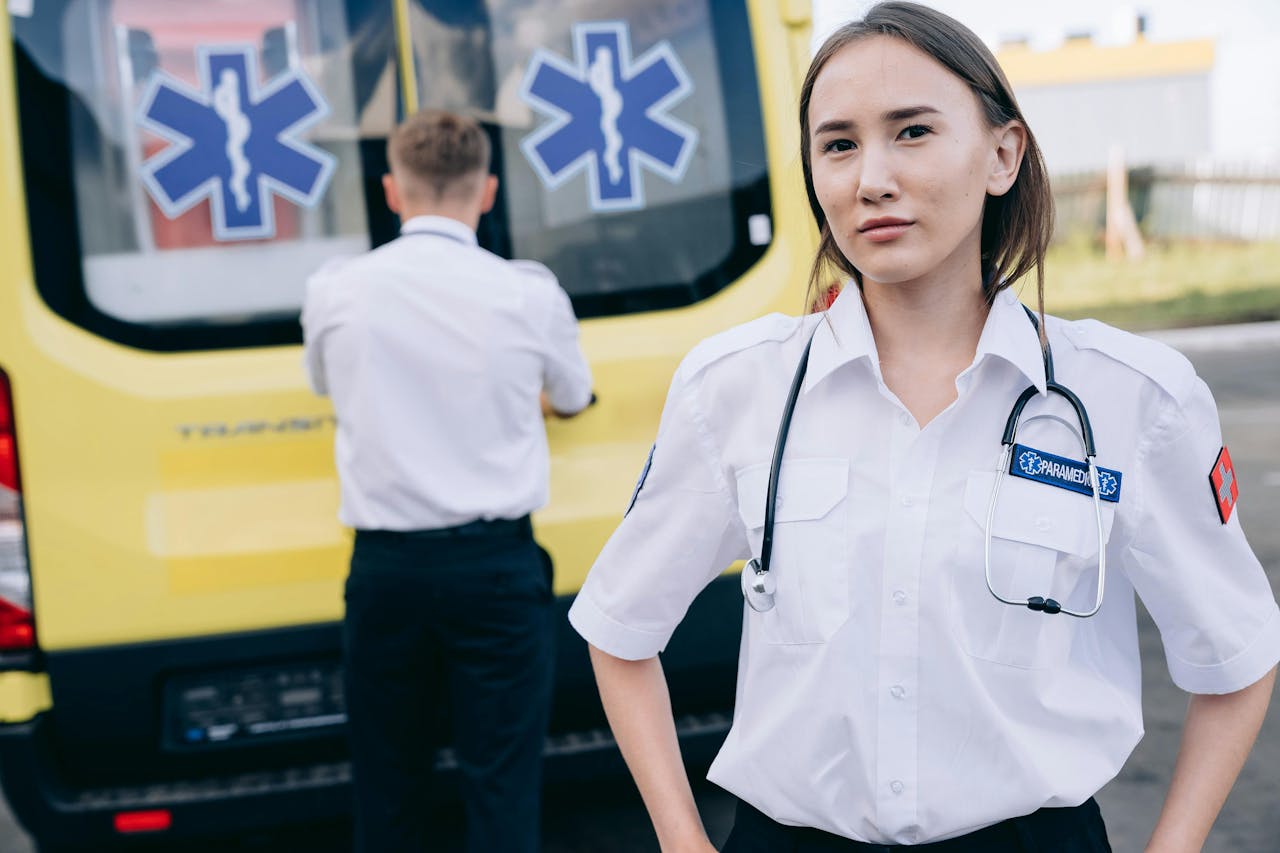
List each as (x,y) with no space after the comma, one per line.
(17,625)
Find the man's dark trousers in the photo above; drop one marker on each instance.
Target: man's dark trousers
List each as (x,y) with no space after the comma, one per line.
(462,616)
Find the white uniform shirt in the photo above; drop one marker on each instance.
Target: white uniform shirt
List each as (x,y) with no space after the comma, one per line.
(435,352)
(888,697)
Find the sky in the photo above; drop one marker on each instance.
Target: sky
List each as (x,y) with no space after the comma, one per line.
(1244,86)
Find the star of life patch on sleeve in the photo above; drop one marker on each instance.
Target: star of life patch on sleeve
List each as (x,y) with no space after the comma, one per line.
(640,483)
(1222,479)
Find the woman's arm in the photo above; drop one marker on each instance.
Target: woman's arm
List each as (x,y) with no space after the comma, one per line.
(636,701)
(1216,738)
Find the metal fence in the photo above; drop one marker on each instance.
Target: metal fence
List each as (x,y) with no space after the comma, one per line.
(1204,201)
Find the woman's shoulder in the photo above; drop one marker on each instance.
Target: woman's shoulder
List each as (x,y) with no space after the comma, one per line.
(726,349)
(1147,357)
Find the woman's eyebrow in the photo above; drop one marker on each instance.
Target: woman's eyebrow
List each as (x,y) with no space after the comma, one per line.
(904,113)
(900,114)
(833,124)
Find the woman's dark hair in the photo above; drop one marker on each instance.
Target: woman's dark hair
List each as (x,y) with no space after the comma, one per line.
(1015,226)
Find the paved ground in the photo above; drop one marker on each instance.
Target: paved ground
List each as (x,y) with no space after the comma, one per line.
(1246,381)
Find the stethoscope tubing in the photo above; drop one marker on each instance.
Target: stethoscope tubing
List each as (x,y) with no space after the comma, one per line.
(760,581)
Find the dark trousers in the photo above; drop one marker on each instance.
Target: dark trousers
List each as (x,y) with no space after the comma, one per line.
(1070,830)
(463,619)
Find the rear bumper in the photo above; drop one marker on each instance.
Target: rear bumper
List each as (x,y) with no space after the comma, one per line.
(310,783)
(223,806)
(56,812)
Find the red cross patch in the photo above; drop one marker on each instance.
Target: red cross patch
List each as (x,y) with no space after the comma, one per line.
(1222,479)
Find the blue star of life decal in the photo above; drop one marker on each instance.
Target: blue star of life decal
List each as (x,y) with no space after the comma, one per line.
(609,115)
(1029,461)
(234,142)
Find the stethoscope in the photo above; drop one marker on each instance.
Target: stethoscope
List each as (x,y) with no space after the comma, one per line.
(758,585)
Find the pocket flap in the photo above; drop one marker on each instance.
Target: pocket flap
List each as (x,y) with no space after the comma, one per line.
(807,489)
(1038,514)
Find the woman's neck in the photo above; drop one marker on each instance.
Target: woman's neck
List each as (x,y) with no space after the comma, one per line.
(926,333)
(926,320)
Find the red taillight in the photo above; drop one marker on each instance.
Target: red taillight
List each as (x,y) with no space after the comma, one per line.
(156,820)
(8,445)
(17,628)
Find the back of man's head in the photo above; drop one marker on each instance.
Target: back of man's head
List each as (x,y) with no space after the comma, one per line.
(438,157)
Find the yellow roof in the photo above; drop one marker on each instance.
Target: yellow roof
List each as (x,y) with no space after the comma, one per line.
(1081,61)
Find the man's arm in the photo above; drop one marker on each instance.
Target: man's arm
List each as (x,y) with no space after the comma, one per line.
(1217,735)
(549,411)
(313,332)
(566,377)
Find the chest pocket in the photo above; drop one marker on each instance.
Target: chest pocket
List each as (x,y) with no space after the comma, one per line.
(1044,541)
(809,560)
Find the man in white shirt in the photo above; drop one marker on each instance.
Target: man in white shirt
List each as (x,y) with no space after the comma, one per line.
(441,359)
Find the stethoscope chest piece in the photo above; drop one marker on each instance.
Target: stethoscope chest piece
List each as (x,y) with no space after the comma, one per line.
(758,587)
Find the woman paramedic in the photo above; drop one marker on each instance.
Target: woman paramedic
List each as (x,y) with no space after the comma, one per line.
(940,647)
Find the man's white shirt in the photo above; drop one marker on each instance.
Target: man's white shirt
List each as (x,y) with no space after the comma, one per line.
(435,353)
(888,697)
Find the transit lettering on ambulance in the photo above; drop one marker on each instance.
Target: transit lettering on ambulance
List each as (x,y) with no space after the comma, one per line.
(234,143)
(222,429)
(609,115)
(1062,472)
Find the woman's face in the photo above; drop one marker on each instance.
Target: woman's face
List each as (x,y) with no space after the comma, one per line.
(902,161)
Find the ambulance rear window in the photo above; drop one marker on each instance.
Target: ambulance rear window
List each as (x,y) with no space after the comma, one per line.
(630,143)
(187,166)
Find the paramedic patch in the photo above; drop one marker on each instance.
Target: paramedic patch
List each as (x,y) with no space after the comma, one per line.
(640,483)
(1062,472)
(1222,479)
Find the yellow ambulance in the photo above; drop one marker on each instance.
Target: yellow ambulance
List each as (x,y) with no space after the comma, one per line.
(171,172)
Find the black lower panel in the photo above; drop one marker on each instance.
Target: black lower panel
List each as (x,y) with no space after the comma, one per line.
(114,739)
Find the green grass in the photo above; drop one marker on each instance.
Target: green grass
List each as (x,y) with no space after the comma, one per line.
(1178,284)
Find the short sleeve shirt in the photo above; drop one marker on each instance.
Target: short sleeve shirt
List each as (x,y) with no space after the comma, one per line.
(435,353)
(888,697)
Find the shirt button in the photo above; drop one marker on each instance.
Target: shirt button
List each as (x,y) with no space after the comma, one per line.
(1043,523)
(899,597)
(904,419)
(897,691)
(908,501)
(896,786)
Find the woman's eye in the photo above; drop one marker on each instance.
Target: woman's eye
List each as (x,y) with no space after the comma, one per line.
(838,145)
(916,131)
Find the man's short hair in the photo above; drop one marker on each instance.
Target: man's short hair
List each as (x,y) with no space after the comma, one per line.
(439,152)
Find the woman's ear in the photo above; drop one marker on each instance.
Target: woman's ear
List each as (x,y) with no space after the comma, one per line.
(1010,144)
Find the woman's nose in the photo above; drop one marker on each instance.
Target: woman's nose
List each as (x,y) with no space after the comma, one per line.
(876,180)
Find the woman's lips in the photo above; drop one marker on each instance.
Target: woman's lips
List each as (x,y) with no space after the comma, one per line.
(885,233)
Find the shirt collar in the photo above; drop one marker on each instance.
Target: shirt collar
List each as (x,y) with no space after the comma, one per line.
(1010,335)
(844,335)
(442,225)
